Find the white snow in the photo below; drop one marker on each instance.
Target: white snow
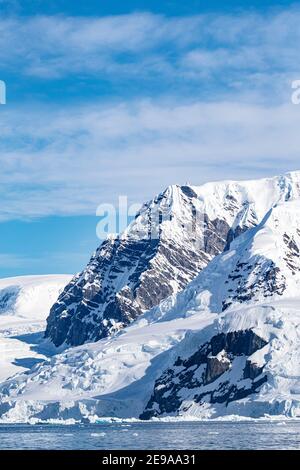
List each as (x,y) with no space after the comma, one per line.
(106,370)
(24,305)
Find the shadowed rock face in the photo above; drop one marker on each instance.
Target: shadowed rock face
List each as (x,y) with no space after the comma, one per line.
(129,275)
(237,343)
(90,307)
(206,375)
(216,366)
(124,279)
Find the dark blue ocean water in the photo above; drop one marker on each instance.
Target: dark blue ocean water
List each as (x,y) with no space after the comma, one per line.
(153,436)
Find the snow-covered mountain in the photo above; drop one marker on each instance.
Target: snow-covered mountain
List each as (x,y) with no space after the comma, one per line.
(24,305)
(30,297)
(249,362)
(158,255)
(171,240)
(225,344)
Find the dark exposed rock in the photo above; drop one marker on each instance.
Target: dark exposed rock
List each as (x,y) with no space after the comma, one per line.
(216,367)
(75,316)
(128,276)
(252,370)
(216,232)
(249,279)
(188,191)
(237,342)
(292,254)
(202,374)
(234,233)
(234,393)
(8,296)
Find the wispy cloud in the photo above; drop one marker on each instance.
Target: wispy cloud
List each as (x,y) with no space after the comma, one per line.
(141,44)
(49,46)
(12,261)
(67,160)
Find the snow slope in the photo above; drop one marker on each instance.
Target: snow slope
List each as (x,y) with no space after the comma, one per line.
(24,305)
(249,365)
(112,377)
(227,344)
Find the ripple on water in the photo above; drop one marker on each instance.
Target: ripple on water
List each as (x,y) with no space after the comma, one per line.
(154,435)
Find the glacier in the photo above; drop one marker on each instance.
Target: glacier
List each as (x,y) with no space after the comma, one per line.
(25,302)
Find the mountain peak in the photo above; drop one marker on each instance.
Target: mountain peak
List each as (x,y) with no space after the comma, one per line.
(172,238)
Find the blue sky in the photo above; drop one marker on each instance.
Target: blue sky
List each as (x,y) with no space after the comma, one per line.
(108,98)
(117,7)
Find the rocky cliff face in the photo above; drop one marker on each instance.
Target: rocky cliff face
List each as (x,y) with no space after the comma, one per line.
(131,274)
(171,240)
(209,375)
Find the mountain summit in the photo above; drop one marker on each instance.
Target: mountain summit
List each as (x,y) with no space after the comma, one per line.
(171,240)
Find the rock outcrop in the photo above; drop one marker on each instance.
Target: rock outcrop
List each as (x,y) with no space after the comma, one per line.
(205,376)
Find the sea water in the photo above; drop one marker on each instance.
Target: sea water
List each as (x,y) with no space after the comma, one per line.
(154,436)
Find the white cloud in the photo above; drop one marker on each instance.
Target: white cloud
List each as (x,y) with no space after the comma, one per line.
(67,160)
(56,46)
(55,162)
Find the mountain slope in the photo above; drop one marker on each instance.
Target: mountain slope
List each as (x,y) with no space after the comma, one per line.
(24,305)
(249,363)
(171,240)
